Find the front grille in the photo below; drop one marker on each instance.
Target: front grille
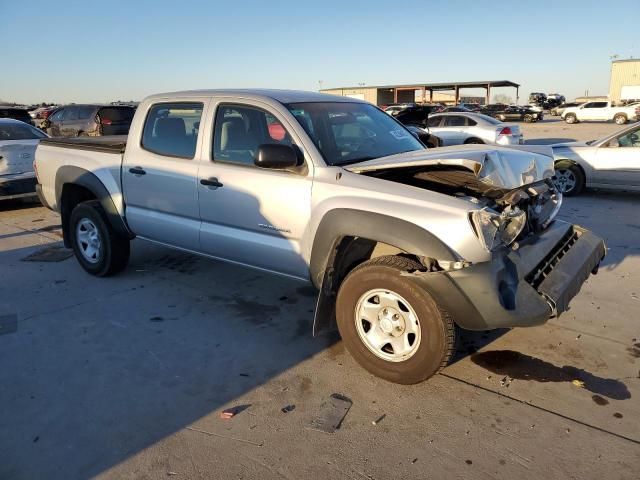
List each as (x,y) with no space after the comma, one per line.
(545,267)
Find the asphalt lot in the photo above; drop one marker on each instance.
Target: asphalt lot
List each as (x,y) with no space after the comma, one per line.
(125,377)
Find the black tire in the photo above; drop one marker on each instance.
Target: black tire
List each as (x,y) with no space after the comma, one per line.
(528,118)
(437,343)
(473,141)
(113,254)
(620,119)
(576,171)
(571,118)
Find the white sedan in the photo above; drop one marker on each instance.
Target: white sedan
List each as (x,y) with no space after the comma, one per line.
(18,142)
(612,162)
(457,128)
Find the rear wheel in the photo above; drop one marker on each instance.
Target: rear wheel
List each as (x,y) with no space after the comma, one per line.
(569,178)
(620,119)
(391,327)
(473,141)
(99,250)
(571,118)
(528,118)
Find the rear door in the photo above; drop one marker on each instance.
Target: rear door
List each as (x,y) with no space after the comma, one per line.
(452,130)
(160,170)
(619,165)
(251,215)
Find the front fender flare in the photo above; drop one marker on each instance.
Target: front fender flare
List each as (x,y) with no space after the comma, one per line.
(342,222)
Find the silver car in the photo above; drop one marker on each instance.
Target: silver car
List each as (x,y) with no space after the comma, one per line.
(457,128)
(612,162)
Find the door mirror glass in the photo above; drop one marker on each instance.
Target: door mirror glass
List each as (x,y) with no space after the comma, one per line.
(274,156)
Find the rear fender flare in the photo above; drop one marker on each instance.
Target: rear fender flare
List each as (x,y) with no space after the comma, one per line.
(73,175)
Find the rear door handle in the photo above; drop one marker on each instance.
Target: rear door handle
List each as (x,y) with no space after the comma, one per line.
(211,182)
(137,171)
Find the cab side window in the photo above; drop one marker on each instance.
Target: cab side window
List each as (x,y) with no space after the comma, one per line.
(240,129)
(171,129)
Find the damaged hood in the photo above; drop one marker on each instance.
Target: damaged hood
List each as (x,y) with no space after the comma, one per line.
(498,167)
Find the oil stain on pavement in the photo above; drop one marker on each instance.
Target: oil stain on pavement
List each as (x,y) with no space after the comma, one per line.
(519,366)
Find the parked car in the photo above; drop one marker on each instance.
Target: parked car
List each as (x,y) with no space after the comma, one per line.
(537,98)
(16,113)
(455,109)
(474,107)
(469,232)
(613,162)
(600,111)
(422,134)
(513,113)
(18,142)
(417,115)
(89,120)
(394,108)
(459,128)
(557,111)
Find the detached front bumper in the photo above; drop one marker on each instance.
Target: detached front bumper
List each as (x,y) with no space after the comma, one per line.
(523,287)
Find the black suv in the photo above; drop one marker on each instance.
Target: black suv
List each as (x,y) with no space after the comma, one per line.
(510,113)
(89,120)
(17,114)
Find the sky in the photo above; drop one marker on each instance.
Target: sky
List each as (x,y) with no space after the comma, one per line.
(72,51)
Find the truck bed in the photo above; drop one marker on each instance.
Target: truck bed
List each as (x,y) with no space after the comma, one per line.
(108,144)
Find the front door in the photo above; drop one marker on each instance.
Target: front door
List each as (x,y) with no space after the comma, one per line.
(159,174)
(251,215)
(619,165)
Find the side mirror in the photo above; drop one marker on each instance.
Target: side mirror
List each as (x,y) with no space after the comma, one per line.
(614,143)
(278,157)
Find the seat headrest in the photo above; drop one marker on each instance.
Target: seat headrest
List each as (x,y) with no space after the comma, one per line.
(233,134)
(170,127)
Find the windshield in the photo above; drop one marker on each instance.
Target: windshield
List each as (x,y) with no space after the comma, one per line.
(348,133)
(17,131)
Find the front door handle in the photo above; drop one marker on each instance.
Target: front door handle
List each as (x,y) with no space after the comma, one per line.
(137,171)
(211,182)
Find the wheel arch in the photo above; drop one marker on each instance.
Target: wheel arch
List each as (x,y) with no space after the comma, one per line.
(346,237)
(74,185)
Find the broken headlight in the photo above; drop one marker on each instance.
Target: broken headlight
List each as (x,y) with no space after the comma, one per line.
(496,229)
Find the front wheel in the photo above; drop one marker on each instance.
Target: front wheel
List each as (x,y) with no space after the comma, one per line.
(99,250)
(391,327)
(569,178)
(528,118)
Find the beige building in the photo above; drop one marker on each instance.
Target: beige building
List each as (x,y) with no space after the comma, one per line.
(448,93)
(625,80)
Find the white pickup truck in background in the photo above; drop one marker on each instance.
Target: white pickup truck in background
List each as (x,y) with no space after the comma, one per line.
(600,111)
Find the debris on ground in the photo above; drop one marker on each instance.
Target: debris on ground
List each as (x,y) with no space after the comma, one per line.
(379,419)
(288,408)
(578,337)
(231,412)
(578,383)
(506,381)
(332,413)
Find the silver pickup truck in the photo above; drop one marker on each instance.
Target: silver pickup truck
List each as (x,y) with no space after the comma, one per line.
(402,243)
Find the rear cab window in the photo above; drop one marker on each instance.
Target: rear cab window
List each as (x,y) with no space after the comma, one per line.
(171,129)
